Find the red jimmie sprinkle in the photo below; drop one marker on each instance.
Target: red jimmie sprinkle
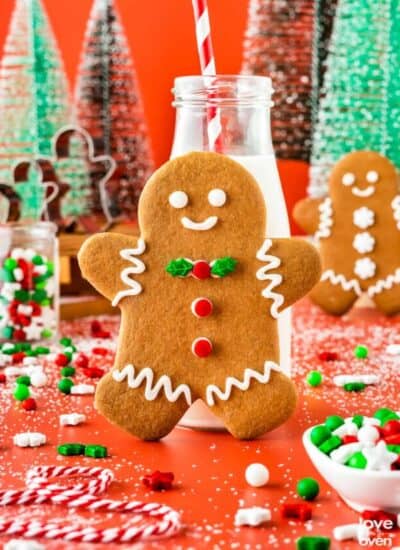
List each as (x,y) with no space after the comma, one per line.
(81,361)
(3,378)
(61,360)
(159,481)
(302,511)
(328,356)
(393,439)
(100,351)
(390,428)
(349,439)
(29,404)
(93,372)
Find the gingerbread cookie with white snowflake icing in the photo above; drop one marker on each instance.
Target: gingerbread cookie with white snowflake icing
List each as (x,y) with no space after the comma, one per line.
(200,292)
(358,230)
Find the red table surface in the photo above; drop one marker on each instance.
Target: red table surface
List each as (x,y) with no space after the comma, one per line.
(209,467)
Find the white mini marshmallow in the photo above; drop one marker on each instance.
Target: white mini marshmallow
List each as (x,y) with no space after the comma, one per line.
(252,516)
(82,389)
(72,419)
(351,531)
(29,439)
(368,379)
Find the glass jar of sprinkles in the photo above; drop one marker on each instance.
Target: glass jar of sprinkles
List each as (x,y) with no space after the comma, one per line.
(29,284)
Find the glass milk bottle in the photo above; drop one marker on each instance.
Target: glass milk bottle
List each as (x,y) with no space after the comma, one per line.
(243,105)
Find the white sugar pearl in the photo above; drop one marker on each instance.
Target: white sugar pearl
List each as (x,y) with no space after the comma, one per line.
(257,475)
(217,197)
(38,379)
(368,435)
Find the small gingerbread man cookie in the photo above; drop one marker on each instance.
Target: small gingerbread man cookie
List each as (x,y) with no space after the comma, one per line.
(358,230)
(199,292)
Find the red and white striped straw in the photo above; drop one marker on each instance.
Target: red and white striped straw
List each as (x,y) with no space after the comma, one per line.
(207,63)
(39,490)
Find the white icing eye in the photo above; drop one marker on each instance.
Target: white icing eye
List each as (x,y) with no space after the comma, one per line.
(178,199)
(348,179)
(372,176)
(217,197)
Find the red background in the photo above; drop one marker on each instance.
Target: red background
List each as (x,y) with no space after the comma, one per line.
(162,40)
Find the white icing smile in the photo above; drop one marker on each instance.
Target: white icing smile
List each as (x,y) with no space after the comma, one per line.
(367,192)
(205,225)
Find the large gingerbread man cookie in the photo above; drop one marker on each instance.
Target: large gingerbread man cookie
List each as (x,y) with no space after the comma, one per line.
(199,293)
(358,230)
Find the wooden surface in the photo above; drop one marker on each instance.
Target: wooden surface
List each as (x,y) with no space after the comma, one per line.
(209,467)
(69,244)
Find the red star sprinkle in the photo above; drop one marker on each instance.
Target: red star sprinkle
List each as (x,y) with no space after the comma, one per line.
(158,481)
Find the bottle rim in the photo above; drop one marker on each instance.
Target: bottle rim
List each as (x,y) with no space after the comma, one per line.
(36,228)
(222,90)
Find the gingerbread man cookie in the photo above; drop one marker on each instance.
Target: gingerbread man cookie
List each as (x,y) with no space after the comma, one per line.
(358,230)
(199,292)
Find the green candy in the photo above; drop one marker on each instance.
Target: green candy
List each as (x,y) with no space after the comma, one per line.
(23,380)
(6,276)
(393,448)
(354,386)
(319,434)
(333,422)
(10,264)
(313,543)
(41,350)
(358,420)
(65,341)
(307,488)
(7,333)
(68,355)
(357,460)
(21,295)
(361,352)
(39,295)
(21,392)
(37,260)
(46,333)
(330,444)
(71,449)
(96,451)
(384,415)
(314,378)
(67,371)
(65,385)
(50,268)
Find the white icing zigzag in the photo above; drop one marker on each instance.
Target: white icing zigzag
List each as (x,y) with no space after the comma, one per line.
(384,284)
(243,385)
(396,210)
(274,278)
(325,220)
(138,267)
(151,392)
(339,279)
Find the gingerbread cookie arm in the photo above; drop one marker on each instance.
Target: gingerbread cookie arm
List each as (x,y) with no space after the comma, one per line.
(307,214)
(112,263)
(291,268)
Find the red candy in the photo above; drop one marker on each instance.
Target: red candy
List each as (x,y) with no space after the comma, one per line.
(202,347)
(29,404)
(390,428)
(81,361)
(202,307)
(379,515)
(61,360)
(18,357)
(93,372)
(328,356)
(302,511)
(349,439)
(3,378)
(19,335)
(100,351)
(159,481)
(97,330)
(201,270)
(393,439)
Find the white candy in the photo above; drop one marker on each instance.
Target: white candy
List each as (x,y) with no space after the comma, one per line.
(29,439)
(82,389)
(5,359)
(7,346)
(348,428)
(30,361)
(343,453)
(25,309)
(378,457)
(351,531)
(72,419)
(40,269)
(18,274)
(8,290)
(14,371)
(18,253)
(368,435)
(393,349)
(257,475)
(38,379)
(20,544)
(367,379)
(252,516)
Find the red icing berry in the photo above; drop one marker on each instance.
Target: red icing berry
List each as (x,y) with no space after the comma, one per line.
(159,481)
(202,347)
(349,439)
(18,357)
(29,404)
(302,511)
(328,356)
(202,307)
(81,361)
(201,270)
(61,360)
(390,428)
(100,351)
(2,378)
(93,372)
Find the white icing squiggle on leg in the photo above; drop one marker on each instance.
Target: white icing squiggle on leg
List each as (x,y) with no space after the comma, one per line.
(325,220)
(384,284)
(138,267)
(151,391)
(213,391)
(275,279)
(396,210)
(339,279)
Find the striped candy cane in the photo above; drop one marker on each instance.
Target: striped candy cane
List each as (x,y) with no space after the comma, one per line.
(85,495)
(207,63)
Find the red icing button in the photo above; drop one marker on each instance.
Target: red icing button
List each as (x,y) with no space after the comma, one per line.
(201,270)
(202,307)
(202,347)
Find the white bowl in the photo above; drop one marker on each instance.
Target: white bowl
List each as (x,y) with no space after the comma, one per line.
(360,489)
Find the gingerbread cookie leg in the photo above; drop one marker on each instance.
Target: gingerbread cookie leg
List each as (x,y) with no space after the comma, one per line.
(333,298)
(130,408)
(386,294)
(257,403)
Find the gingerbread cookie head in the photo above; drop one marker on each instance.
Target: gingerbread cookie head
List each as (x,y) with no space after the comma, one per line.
(201,204)
(362,175)
(200,291)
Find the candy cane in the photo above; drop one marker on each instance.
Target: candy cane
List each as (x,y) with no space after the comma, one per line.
(85,495)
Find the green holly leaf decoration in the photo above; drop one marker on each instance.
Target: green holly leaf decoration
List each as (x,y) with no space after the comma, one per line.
(223,266)
(179,267)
